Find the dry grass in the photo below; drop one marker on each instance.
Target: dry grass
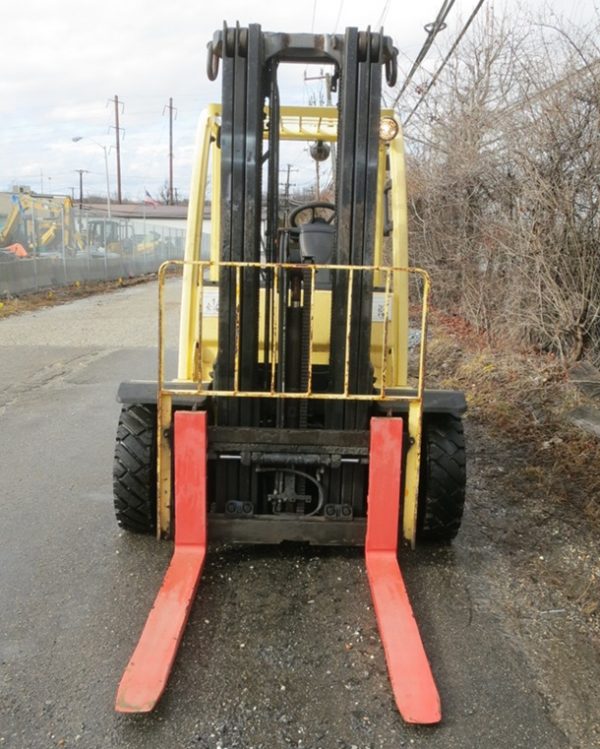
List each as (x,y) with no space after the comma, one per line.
(524,397)
(14,305)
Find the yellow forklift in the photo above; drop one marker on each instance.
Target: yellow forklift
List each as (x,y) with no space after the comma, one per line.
(294,415)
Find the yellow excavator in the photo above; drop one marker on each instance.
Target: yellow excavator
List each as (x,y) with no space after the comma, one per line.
(117,237)
(41,223)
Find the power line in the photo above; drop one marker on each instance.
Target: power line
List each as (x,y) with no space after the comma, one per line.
(314,13)
(424,69)
(432,29)
(444,62)
(383,14)
(339,14)
(554,86)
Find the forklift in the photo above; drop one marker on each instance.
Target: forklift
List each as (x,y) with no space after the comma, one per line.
(294,414)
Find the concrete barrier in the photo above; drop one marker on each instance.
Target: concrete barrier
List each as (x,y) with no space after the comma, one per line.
(25,275)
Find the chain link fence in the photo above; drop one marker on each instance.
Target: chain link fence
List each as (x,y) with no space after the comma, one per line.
(83,247)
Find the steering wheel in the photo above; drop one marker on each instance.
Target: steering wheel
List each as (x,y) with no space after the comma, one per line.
(312,207)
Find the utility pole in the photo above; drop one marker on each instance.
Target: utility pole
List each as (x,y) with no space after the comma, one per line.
(318,164)
(171,109)
(329,104)
(286,185)
(287,188)
(81,172)
(327,78)
(118,143)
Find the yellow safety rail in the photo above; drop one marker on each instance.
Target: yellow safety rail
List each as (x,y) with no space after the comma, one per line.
(204,387)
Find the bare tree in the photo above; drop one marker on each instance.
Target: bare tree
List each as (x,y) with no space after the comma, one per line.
(504,176)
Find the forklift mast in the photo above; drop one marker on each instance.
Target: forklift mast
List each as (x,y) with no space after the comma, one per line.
(250,63)
(251,59)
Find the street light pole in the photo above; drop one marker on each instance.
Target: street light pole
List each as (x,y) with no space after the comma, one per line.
(76,139)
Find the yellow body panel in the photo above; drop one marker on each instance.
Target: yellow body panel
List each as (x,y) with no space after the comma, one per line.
(320,341)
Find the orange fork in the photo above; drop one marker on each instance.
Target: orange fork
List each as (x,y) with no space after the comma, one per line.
(146,675)
(413,685)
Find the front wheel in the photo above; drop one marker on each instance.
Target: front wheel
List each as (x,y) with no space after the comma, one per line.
(134,469)
(443,478)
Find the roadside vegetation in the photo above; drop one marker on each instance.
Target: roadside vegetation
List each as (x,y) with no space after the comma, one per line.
(522,397)
(14,305)
(503,159)
(504,176)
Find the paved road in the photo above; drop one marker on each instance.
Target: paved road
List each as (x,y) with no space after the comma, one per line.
(281,649)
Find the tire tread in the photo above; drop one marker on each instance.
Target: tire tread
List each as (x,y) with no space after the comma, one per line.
(443,479)
(134,469)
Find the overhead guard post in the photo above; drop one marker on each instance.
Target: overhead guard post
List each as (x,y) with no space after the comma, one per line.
(146,675)
(413,685)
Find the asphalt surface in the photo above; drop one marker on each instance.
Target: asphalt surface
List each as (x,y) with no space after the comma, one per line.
(281,649)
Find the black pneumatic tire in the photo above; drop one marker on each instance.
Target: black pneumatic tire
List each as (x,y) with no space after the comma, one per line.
(134,469)
(443,479)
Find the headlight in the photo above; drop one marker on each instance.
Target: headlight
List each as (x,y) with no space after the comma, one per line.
(388,129)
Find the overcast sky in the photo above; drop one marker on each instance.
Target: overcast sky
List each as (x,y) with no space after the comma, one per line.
(63,60)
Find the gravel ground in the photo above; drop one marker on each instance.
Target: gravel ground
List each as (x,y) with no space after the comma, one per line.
(282,648)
